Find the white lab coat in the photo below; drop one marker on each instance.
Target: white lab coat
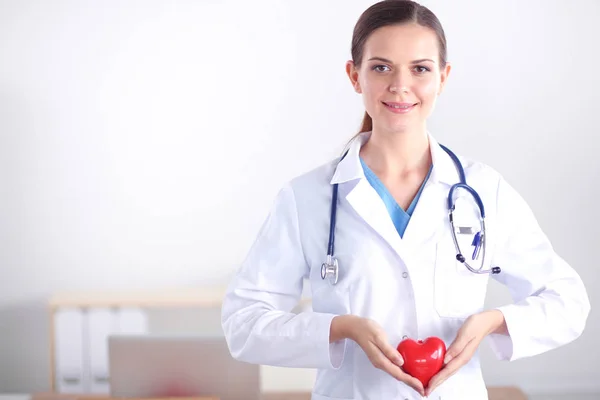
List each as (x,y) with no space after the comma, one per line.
(412,286)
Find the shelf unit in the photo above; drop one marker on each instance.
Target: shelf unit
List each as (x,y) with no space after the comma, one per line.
(86,301)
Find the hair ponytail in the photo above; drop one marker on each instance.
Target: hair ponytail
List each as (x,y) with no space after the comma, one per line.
(366,126)
(367,123)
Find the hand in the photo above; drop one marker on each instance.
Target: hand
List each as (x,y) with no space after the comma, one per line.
(468,338)
(369,335)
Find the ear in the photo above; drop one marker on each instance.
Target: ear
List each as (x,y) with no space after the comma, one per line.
(353,75)
(444,77)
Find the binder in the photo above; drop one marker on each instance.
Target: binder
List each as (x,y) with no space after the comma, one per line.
(69,344)
(81,345)
(101,323)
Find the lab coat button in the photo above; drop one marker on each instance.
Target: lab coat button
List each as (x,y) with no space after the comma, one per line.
(405,274)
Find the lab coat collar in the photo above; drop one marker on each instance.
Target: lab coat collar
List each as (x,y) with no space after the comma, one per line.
(428,217)
(350,168)
(444,170)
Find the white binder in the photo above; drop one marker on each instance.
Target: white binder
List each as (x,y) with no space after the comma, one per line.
(69,347)
(81,345)
(102,322)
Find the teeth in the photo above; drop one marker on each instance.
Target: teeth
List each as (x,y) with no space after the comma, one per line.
(403,107)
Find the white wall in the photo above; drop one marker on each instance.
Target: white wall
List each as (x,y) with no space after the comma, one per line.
(142,142)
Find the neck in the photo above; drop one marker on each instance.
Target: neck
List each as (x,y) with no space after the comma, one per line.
(397,154)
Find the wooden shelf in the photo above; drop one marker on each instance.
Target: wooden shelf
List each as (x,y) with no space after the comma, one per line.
(197,297)
(188,297)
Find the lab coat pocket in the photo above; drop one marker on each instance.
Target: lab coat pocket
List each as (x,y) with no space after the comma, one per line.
(458,292)
(326,297)
(330,299)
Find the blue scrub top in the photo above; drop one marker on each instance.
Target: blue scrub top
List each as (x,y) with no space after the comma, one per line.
(400,218)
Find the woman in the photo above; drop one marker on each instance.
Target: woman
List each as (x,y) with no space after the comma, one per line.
(399,276)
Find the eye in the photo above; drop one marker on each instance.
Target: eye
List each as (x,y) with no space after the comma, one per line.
(421,69)
(379,68)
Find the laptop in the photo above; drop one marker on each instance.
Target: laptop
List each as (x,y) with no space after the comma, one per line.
(179,366)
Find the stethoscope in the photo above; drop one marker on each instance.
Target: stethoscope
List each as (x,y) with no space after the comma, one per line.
(330,268)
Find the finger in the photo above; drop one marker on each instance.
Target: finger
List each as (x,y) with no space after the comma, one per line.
(413,383)
(381,361)
(402,376)
(451,368)
(456,347)
(390,352)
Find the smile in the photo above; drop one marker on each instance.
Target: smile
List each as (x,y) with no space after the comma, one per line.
(400,108)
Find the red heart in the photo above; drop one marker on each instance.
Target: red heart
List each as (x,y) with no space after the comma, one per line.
(422,358)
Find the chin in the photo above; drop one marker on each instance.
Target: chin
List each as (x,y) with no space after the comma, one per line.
(400,126)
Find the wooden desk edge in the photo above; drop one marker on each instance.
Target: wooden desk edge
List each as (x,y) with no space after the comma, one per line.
(74,396)
(494,392)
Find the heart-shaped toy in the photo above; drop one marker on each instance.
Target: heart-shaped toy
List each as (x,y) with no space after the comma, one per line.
(422,358)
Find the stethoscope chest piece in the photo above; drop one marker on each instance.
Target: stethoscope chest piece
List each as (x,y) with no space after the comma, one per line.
(330,269)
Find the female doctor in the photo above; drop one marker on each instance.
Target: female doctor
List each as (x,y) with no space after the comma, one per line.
(393,270)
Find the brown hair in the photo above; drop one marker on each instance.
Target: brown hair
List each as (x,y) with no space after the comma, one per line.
(393,12)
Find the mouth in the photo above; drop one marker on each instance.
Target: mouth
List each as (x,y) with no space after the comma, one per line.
(399,108)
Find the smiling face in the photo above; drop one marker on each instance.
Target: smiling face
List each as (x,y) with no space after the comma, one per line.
(400,76)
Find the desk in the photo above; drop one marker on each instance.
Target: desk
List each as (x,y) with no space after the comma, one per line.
(68,396)
(494,393)
(506,393)
(11,396)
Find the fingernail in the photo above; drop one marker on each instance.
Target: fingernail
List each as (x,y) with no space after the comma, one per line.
(399,360)
(447,359)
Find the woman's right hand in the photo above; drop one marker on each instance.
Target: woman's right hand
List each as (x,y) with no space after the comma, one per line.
(369,335)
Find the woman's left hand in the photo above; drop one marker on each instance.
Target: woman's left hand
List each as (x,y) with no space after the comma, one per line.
(469,336)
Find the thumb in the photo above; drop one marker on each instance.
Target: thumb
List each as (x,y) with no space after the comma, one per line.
(456,348)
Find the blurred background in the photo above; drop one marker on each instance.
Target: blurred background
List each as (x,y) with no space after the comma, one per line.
(142,144)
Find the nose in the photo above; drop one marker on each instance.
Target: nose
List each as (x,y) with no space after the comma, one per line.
(401,81)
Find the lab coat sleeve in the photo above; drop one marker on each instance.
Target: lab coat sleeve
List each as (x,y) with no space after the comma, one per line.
(257,316)
(551,305)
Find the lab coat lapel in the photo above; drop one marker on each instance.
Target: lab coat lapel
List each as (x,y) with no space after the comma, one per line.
(431,213)
(429,216)
(369,206)
(361,196)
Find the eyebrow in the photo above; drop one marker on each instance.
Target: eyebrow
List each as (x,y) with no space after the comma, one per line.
(390,62)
